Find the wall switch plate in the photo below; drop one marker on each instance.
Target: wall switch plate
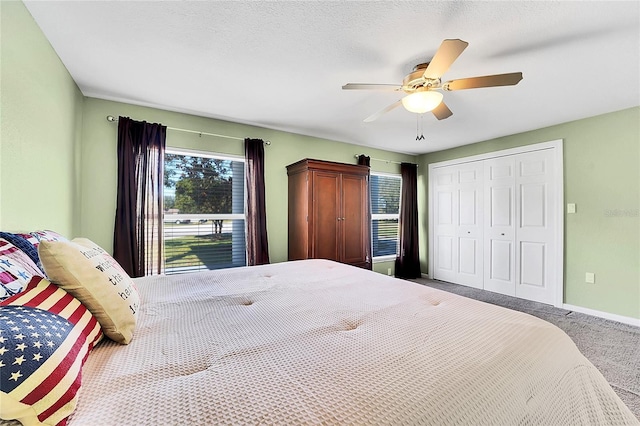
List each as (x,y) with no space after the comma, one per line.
(571,208)
(590,277)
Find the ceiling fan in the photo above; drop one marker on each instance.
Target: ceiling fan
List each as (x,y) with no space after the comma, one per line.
(422,83)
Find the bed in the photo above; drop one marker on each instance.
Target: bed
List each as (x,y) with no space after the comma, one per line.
(319,342)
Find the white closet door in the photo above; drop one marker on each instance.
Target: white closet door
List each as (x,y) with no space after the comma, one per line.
(470,193)
(535,248)
(458,224)
(499,225)
(495,222)
(445,224)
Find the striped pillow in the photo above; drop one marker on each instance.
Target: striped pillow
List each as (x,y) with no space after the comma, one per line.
(16,269)
(45,337)
(25,242)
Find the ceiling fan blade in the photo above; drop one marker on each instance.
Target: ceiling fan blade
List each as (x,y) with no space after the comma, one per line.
(359,86)
(442,111)
(384,111)
(448,52)
(509,79)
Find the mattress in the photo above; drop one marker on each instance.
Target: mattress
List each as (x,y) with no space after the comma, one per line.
(318,342)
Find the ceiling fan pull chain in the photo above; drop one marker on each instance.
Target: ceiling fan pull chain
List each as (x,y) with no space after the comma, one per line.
(419,127)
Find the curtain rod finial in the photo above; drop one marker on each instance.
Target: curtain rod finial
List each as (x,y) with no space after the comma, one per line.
(111,118)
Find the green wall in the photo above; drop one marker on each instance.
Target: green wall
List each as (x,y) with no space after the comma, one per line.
(98,165)
(40,122)
(602,176)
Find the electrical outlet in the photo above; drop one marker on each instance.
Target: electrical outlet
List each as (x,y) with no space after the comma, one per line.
(590,277)
(571,208)
(389,271)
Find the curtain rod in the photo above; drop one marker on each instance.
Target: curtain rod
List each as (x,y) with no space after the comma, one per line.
(385,161)
(113,119)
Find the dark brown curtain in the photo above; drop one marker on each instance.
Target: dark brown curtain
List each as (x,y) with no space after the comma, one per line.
(364,160)
(137,238)
(408,260)
(257,243)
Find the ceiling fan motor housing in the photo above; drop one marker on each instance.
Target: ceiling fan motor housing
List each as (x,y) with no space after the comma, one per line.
(416,79)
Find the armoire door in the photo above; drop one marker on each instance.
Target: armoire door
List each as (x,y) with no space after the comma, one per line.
(325,214)
(353,221)
(459,225)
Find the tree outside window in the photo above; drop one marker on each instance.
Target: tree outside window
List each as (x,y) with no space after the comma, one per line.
(204,212)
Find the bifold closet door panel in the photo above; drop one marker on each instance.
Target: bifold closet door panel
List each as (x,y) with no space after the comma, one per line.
(499,225)
(445,224)
(458,225)
(470,196)
(535,236)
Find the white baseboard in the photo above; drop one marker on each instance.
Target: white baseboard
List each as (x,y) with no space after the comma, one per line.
(605,315)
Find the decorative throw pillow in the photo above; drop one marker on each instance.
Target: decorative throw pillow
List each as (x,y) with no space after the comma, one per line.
(47,235)
(46,335)
(16,269)
(90,274)
(25,242)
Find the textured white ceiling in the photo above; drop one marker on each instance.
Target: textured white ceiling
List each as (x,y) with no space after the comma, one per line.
(281,64)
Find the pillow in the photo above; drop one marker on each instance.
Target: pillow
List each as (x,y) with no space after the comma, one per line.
(47,235)
(25,242)
(28,243)
(90,274)
(16,269)
(45,339)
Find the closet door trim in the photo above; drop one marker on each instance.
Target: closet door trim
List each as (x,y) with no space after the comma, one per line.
(557,147)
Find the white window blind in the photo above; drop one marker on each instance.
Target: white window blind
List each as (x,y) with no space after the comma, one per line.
(204,222)
(385,211)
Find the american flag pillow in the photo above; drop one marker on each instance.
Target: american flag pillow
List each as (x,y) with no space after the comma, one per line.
(45,337)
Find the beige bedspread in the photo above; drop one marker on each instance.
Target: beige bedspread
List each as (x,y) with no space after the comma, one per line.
(317,342)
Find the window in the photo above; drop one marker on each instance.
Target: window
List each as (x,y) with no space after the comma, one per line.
(204,219)
(385,211)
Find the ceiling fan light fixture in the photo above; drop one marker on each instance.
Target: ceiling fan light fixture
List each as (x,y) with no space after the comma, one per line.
(422,101)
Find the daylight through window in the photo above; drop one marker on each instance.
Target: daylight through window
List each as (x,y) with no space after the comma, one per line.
(203,212)
(385,210)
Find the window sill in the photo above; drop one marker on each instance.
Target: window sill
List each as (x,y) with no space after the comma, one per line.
(387,258)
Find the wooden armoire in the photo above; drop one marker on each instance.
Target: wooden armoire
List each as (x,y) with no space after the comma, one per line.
(329,215)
